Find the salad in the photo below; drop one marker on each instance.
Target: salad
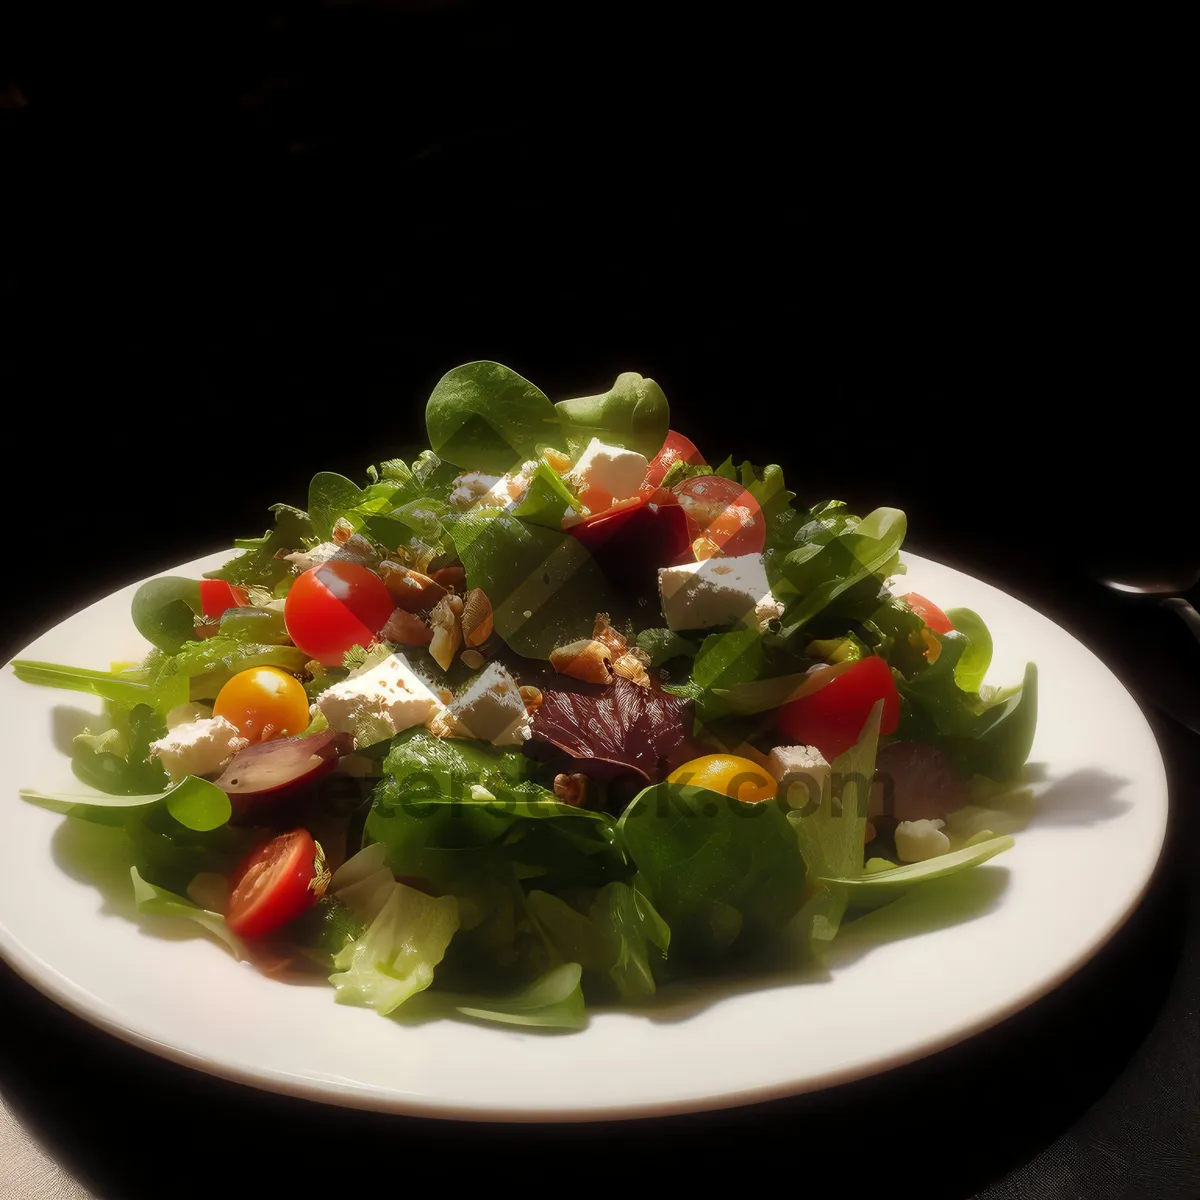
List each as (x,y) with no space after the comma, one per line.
(566,707)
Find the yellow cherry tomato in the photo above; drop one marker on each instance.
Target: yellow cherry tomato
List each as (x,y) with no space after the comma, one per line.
(264,703)
(732,776)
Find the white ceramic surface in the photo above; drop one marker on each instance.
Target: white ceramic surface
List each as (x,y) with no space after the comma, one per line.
(1019,926)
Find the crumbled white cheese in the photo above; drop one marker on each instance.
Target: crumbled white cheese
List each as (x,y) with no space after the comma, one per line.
(611,469)
(803,770)
(469,487)
(198,748)
(491,709)
(389,690)
(918,840)
(185,714)
(718,591)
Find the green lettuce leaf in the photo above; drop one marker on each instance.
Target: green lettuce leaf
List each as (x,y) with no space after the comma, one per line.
(194,803)
(972,665)
(485,417)
(547,499)
(258,564)
(118,760)
(396,956)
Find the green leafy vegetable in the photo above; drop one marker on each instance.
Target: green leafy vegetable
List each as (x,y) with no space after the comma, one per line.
(163,611)
(680,470)
(206,666)
(158,902)
(664,644)
(973,664)
(195,803)
(555,1001)
(161,689)
(258,564)
(883,886)
(633,413)
(544,586)
(485,417)
(547,499)
(118,760)
(329,496)
(725,876)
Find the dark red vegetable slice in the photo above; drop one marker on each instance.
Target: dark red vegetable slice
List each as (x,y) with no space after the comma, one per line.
(630,544)
(271,770)
(916,782)
(626,728)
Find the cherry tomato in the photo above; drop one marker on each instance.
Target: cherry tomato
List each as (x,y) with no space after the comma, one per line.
(334,606)
(274,884)
(675,448)
(216,595)
(832,717)
(723,511)
(929,613)
(264,703)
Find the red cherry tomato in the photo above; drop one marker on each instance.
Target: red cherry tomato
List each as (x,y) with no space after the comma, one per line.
(929,613)
(722,510)
(334,606)
(273,885)
(674,449)
(832,717)
(216,595)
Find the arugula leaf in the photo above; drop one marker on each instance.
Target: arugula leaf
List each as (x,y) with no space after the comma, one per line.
(486,417)
(206,666)
(725,876)
(554,1001)
(883,886)
(158,902)
(195,803)
(633,413)
(547,499)
(162,688)
(544,586)
(257,565)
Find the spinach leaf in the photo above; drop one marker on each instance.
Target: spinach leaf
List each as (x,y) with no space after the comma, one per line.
(633,413)
(485,417)
(665,644)
(330,495)
(258,564)
(164,611)
(158,902)
(544,586)
(725,876)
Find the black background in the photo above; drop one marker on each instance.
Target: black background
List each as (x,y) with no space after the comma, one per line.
(243,243)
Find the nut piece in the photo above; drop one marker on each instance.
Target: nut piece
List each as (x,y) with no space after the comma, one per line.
(472,659)
(447,633)
(603,631)
(342,529)
(444,724)
(532,697)
(451,578)
(630,667)
(571,789)
(476,617)
(411,590)
(586,659)
(406,629)
(704,548)
(869,832)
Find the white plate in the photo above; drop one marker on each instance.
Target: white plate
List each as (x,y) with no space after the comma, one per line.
(1018,927)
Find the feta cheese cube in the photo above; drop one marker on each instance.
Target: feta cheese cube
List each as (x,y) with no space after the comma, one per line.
(918,840)
(201,747)
(389,689)
(802,773)
(490,709)
(718,591)
(611,469)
